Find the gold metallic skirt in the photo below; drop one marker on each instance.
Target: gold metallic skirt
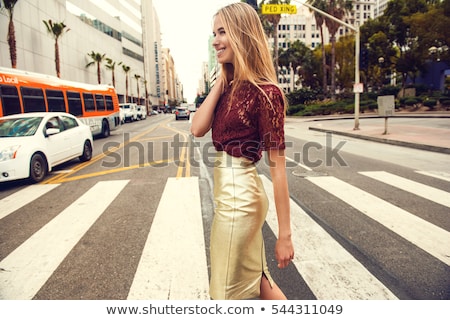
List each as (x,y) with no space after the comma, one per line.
(238,260)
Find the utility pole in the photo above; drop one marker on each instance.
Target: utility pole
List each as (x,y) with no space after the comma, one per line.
(357,87)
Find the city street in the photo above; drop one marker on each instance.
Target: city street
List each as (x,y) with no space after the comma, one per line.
(369,219)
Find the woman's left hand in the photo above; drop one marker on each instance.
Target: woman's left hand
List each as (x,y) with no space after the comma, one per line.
(284,251)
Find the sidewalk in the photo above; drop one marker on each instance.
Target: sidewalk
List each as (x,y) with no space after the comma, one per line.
(416,135)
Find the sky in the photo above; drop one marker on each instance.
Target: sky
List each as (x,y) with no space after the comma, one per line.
(185,29)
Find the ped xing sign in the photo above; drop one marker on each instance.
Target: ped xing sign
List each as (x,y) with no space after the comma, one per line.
(279,9)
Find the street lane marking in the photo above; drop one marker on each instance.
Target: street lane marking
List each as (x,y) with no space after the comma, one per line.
(21,198)
(173,263)
(299,164)
(330,271)
(29,266)
(433,194)
(423,234)
(436,174)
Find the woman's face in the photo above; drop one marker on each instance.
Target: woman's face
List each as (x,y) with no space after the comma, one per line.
(223,48)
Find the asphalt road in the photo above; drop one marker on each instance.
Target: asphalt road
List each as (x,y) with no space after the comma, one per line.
(370,220)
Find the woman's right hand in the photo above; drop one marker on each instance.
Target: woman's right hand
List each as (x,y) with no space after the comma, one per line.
(204,115)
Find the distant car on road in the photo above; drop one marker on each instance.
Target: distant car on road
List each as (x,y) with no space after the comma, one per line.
(181,113)
(130,112)
(32,144)
(142,112)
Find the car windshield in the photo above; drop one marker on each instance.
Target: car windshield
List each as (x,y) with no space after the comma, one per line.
(19,127)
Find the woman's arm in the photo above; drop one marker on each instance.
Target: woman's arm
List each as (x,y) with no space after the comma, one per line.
(205,114)
(284,249)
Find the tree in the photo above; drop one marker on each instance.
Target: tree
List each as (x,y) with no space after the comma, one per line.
(400,32)
(111,65)
(137,77)
(338,9)
(320,20)
(126,69)
(11,36)
(97,59)
(56,30)
(274,20)
(298,56)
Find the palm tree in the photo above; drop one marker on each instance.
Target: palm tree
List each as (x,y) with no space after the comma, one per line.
(56,30)
(9,6)
(137,77)
(336,8)
(274,19)
(97,58)
(111,65)
(126,69)
(320,4)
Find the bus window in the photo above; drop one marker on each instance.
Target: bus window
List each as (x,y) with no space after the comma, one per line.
(109,103)
(10,100)
(89,104)
(74,100)
(100,102)
(33,99)
(55,101)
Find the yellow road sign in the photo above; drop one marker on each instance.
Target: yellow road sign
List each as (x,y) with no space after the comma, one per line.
(279,9)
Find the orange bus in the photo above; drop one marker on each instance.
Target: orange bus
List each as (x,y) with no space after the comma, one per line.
(95,105)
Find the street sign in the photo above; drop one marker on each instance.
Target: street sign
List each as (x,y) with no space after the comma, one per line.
(279,9)
(358,87)
(386,105)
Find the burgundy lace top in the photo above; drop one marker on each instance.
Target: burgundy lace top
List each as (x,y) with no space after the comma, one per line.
(251,124)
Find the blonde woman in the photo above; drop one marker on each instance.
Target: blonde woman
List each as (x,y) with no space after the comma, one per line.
(245,110)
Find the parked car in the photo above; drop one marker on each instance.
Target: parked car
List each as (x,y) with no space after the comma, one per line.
(130,112)
(142,112)
(181,113)
(32,144)
(121,115)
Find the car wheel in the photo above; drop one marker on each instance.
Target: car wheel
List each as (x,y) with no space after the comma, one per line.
(87,152)
(38,167)
(105,129)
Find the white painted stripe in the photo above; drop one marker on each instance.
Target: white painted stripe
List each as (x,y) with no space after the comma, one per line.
(423,234)
(173,263)
(23,197)
(330,271)
(419,189)
(299,164)
(28,267)
(436,174)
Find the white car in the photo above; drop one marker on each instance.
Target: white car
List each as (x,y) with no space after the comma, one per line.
(32,144)
(130,112)
(142,112)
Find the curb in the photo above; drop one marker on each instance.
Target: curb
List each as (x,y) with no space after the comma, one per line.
(387,141)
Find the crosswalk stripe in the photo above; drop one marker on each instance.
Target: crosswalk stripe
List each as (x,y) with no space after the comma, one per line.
(330,271)
(419,189)
(27,268)
(173,263)
(436,174)
(423,234)
(21,198)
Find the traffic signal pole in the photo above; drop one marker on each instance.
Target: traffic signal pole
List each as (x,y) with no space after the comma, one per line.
(357,88)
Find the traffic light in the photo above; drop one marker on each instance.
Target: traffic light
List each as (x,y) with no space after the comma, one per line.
(253,3)
(364,59)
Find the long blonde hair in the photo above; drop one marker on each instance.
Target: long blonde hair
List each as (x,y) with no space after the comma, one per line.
(252,57)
